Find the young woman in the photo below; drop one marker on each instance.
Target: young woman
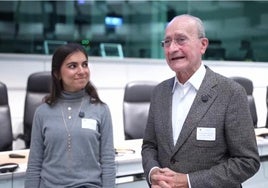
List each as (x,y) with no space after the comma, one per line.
(72,136)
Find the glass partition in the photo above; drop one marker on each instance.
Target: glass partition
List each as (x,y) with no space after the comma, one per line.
(238,30)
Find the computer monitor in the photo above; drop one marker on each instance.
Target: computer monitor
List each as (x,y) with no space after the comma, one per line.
(111,50)
(51,45)
(113,21)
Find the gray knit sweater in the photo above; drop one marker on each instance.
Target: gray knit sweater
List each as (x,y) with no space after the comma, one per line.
(84,158)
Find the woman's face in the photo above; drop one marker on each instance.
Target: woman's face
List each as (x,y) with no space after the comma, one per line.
(74,72)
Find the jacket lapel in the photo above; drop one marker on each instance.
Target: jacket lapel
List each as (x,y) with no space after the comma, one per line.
(203,100)
(167,114)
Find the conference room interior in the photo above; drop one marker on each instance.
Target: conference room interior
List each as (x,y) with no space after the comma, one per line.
(122,39)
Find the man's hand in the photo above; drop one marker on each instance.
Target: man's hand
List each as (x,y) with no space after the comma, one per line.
(166,178)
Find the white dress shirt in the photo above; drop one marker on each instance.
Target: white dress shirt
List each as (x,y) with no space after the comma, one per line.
(182,99)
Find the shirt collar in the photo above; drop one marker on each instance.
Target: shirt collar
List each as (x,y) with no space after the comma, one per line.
(195,80)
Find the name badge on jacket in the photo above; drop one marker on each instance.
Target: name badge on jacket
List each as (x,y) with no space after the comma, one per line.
(89,124)
(206,134)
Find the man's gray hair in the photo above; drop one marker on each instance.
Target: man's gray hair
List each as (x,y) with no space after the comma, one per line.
(199,23)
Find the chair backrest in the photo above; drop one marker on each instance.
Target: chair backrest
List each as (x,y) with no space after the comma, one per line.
(248,85)
(38,86)
(6,134)
(136,104)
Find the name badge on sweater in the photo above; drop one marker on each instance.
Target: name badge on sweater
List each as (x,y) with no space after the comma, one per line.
(206,134)
(89,124)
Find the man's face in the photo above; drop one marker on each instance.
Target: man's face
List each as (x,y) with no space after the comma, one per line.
(182,45)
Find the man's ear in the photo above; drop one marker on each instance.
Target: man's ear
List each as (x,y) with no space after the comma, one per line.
(204,42)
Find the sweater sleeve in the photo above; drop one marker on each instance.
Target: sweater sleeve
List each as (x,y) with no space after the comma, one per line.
(36,154)
(107,150)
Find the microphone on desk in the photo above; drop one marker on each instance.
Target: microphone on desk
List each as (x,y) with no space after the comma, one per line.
(8,167)
(124,151)
(15,155)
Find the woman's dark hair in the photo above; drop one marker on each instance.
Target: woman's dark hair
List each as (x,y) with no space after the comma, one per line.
(60,54)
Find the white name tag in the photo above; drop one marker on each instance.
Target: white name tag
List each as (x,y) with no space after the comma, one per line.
(206,134)
(89,124)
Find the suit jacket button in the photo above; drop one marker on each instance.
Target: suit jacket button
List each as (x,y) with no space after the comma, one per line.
(172,161)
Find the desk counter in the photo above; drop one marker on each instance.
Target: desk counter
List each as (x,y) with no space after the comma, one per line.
(128,163)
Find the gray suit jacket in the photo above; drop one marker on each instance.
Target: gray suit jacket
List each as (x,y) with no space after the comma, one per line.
(226,162)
